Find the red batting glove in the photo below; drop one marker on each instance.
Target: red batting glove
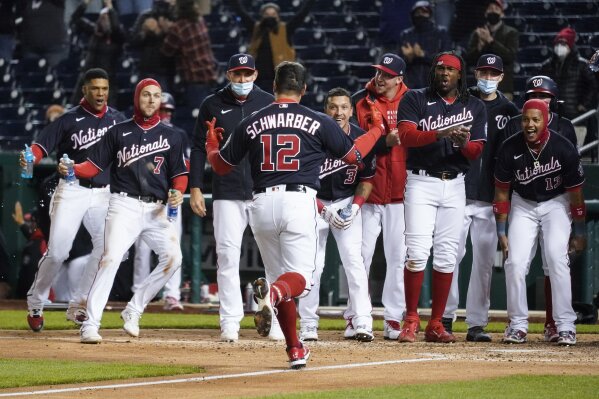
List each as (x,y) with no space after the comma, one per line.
(376,118)
(214,136)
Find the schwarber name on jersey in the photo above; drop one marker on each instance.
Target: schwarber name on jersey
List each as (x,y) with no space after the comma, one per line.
(539,177)
(338,180)
(143,161)
(76,132)
(286,143)
(430,112)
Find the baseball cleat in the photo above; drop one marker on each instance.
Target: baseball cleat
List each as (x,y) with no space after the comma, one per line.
(364,334)
(131,319)
(436,332)
(172,304)
(263,318)
(566,338)
(76,314)
(447,324)
(35,319)
(229,334)
(298,357)
(513,336)
(350,332)
(309,333)
(477,334)
(550,333)
(392,329)
(89,335)
(409,330)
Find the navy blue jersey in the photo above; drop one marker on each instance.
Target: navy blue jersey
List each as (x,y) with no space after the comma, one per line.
(286,144)
(429,111)
(143,161)
(539,177)
(480,185)
(557,123)
(75,133)
(338,180)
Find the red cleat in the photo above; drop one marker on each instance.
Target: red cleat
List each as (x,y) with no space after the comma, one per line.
(435,332)
(298,357)
(35,319)
(409,330)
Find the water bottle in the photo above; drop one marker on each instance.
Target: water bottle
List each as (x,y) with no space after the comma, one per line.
(172,211)
(70,177)
(27,172)
(345,212)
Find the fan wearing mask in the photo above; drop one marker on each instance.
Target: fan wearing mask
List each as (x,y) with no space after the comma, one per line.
(495,37)
(231,193)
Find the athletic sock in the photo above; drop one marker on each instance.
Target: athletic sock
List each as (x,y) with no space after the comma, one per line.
(287,316)
(548,302)
(440,290)
(413,285)
(288,285)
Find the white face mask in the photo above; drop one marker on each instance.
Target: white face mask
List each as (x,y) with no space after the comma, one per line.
(242,89)
(561,50)
(487,86)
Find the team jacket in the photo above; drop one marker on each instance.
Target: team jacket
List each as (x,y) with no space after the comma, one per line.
(229,112)
(558,168)
(390,178)
(76,133)
(338,180)
(143,161)
(429,111)
(480,184)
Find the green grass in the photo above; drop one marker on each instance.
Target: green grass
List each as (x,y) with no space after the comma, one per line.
(30,372)
(516,387)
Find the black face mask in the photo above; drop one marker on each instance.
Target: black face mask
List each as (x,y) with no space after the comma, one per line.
(269,23)
(420,21)
(493,18)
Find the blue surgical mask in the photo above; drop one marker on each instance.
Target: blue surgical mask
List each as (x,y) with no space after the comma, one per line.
(242,89)
(487,86)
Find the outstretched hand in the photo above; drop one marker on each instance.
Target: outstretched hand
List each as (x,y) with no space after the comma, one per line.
(214,135)
(376,118)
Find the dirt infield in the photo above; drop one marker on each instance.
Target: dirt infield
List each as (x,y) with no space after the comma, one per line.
(329,368)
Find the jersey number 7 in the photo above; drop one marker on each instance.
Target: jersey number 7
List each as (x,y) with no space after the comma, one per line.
(284,158)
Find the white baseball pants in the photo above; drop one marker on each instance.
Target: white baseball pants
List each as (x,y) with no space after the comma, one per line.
(349,245)
(527,220)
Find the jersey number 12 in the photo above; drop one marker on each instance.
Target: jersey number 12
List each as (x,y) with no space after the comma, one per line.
(283,160)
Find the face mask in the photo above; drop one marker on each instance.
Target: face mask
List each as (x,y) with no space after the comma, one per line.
(419,21)
(561,50)
(487,86)
(493,18)
(242,89)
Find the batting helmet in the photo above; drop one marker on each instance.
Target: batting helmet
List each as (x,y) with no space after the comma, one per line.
(541,84)
(168,101)
(594,62)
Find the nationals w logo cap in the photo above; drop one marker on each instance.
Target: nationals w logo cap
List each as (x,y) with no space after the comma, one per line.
(393,64)
(490,61)
(241,61)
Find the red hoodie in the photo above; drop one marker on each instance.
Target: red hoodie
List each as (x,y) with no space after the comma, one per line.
(390,179)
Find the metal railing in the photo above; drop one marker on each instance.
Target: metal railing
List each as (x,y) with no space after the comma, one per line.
(581,118)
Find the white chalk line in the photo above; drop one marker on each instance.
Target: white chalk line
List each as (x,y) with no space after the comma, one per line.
(220,377)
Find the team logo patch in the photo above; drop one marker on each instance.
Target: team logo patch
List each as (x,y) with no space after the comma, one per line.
(537,82)
(387,60)
(491,60)
(243,60)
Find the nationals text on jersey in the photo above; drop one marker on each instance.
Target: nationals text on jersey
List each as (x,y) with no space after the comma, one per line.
(92,136)
(331,165)
(530,174)
(448,121)
(288,120)
(127,157)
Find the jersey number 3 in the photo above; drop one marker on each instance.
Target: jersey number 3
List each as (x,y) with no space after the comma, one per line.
(284,159)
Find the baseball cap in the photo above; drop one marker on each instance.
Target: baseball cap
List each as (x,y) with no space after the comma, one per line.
(393,64)
(241,61)
(422,4)
(490,61)
(566,35)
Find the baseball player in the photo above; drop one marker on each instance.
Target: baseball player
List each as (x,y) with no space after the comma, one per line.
(75,133)
(478,218)
(444,128)
(544,88)
(342,185)
(147,159)
(286,145)
(143,253)
(545,172)
(231,194)
(384,209)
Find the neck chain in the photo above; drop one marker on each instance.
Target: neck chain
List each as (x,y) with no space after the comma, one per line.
(535,159)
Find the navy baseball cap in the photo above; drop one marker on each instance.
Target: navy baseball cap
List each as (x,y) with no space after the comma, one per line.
(393,64)
(490,61)
(241,61)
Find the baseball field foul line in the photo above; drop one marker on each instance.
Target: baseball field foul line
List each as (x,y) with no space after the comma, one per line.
(219,377)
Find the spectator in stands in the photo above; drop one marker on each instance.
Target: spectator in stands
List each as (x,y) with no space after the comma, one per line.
(43,32)
(188,41)
(127,7)
(7,29)
(495,37)
(147,37)
(105,46)
(467,17)
(53,112)
(420,43)
(394,18)
(270,38)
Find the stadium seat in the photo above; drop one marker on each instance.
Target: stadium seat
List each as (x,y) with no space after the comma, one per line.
(36,80)
(9,95)
(316,52)
(31,65)
(307,37)
(584,23)
(41,96)
(547,24)
(12,112)
(327,6)
(343,37)
(354,54)
(577,7)
(527,9)
(533,54)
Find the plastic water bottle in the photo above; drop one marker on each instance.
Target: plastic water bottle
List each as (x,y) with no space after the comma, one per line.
(345,212)
(172,211)
(70,177)
(27,172)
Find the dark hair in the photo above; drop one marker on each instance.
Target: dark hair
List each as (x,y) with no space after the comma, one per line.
(185,9)
(337,92)
(94,73)
(290,76)
(462,83)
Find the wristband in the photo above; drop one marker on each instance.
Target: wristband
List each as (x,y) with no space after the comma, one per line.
(501,228)
(579,228)
(501,207)
(359,200)
(578,211)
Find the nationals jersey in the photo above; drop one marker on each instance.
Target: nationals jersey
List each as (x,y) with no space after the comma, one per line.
(338,180)
(429,111)
(75,133)
(539,177)
(286,144)
(143,161)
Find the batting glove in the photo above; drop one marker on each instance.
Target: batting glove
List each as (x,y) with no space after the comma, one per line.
(331,216)
(376,118)
(214,135)
(355,208)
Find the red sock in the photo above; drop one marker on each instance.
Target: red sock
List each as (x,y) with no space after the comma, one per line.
(548,303)
(440,287)
(288,285)
(287,316)
(413,285)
